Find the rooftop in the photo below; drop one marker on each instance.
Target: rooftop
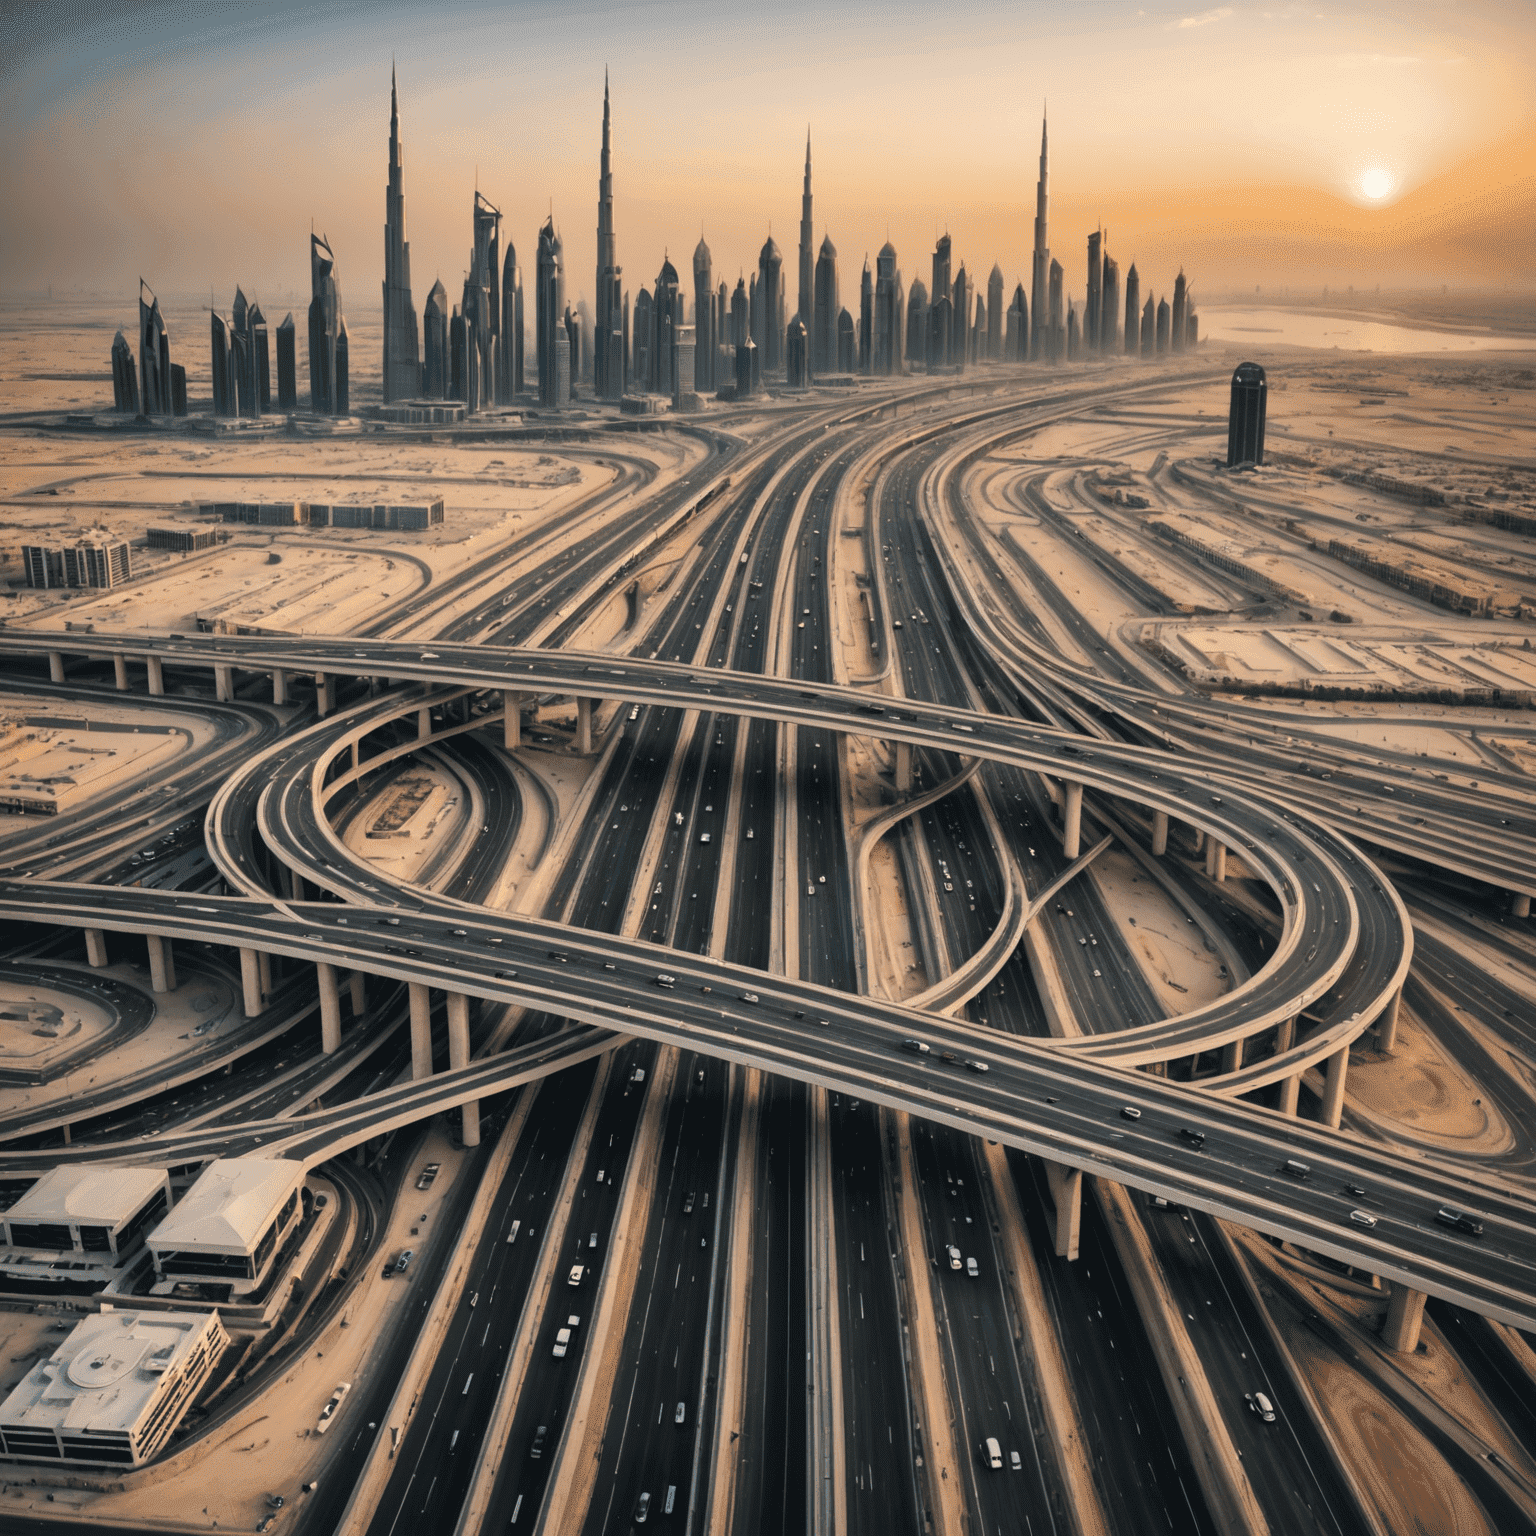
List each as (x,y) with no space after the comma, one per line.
(230,1205)
(88,1196)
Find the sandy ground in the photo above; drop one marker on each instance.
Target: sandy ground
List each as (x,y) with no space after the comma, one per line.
(400,826)
(39,1023)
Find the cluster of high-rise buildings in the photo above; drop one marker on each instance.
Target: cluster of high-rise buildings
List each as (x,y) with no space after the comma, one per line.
(666,342)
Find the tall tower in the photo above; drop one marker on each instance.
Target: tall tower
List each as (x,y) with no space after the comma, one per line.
(1179,311)
(705,340)
(807,259)
(1095,291)
(1132,312)
(402,365)
(327,333)
(1040,275)
(608,375)
(549,326)
(824,331)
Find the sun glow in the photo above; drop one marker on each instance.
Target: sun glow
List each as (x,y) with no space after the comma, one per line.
(1376,183)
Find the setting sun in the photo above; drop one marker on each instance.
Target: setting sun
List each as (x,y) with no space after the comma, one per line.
(1376,183)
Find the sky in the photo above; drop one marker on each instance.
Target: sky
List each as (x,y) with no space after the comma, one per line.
(1284,147)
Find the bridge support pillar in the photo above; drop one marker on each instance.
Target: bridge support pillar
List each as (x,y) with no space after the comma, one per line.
(95,947)
(330,1008)
(1199,840)
(279,686)
(584,727)
(1333,1088)
(357,760)
(423,724)
(250,982)
(458,1056)
(421,1030)
(1386,1024)
(1215,859)
(156,670)
(120,672)
(224,684)
(1159,833)
(55,666)
(323,692)
(512,720)
(359,989)
(162,964)
(1290,1091)
(903,767)
(1232,1056)
(264,971)
(1066,1186)
(1071,819)
(1405,1316)
(1519,904)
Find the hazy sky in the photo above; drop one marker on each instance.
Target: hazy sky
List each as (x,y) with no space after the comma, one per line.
(192,141)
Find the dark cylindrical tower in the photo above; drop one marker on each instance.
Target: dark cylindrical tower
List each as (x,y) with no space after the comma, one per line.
(1245,422)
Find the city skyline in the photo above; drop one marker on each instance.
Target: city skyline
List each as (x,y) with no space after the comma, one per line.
(1276,204)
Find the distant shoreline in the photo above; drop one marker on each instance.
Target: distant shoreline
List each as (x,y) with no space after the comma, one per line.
(1512,327)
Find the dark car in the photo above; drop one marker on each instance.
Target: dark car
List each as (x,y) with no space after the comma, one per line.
(1449,1216)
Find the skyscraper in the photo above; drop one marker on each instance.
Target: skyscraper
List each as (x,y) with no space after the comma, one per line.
(435,361)
(824,316)
(1040,274)
(797,372)
(402,370)
(125,382)
(608,374)
(704,338)
(481,307)
(888,318)
(287,365)
(939,288)
(666,319)
(995,314)
(256,324)
(940,315)
(866,318)
(1245,420)
(1016,339)
(1149,328)
(222,372)
(1163,317)
(1093,303)
(917,322)
(549,311)
(1056,346)
(960,318)
(1073,342)
(509,349)
(1176,337)
(642,354)
(1109,308)
(1132,312)
(572,324)
(847,342)
(770,305)
(327,357)
(807,294)
(154,357)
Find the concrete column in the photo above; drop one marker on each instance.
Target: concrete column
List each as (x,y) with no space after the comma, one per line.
(156,674)
(1519,904)
(295,885)
(1072,819)
(512,722)
(421,1030)
(357,760)
(1159,833)
(162,964)
(1285,1035)
(458,1056)
(1333,1088)
(323,692)
(1066,1186)
(584,727)
(1199,840)
(279,686)
(423,724)
(1290,1090)
(330,1008)
(1405,1315)
(264,971)
(224,684)
(1386,1024)
(120,672)
(359,993)
(1232,1056)
(903,767)
(55,667)
(95,947)
(1219,863)
(250,982)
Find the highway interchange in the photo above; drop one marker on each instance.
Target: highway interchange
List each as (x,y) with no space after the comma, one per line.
(746,1207)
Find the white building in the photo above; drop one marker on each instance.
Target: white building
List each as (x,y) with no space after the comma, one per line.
(113,1391)
(81,1222)
(229,1226)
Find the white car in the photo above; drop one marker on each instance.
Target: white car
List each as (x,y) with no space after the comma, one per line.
(562,1343)
(954,1256)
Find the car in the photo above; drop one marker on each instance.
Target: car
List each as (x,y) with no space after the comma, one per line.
(266,1522)
(1260,1404)
(1357,1190)
(427,1175)
(638,1075)
(664,980)
(954,1256)
(1296,1169)
(972,1269)
(461,933)
(680,1413)
(992,1453)
(1015,1462)
(562,1343)
(540,1435)
(688,1203)
(506,975)
(1362,1218)
(705,837)
(642,1509)
(328,1413)
(1194,1138)
(1130,1112)
(559,957)
(748,997)
(515,1228)
(1449,1216)
(917,1047)
(403,1263)
(577,1271)
(949,1057)
(275,1501)
(977,1066)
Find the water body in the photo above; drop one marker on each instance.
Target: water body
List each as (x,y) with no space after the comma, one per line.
(1345,332)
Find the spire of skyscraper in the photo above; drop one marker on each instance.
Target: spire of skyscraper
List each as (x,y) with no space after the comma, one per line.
(402,365)
(807,300)
(608,341)
(1040,274)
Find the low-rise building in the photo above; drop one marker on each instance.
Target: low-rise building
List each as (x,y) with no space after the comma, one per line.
(113,1392)
(78,565)
(79,1219)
